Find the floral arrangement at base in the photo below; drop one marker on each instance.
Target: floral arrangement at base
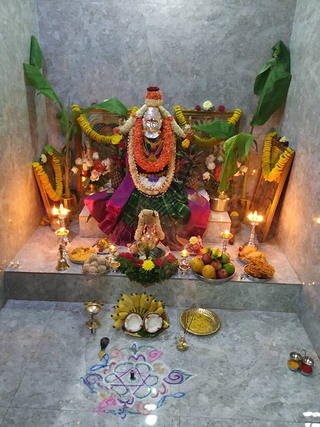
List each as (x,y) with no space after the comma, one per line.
(93,170)
(147,271)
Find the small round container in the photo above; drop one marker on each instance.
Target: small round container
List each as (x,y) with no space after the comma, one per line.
(133,322)
(293,365)
(153,322)
(308,361)
(306,369)
(296,356)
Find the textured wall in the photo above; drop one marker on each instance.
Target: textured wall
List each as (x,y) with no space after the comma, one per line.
(193,50)
(298,232)
(22,131)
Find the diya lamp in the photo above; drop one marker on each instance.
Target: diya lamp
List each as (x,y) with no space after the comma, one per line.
(61,213)
(93,308)
(226,236)
(254,219)
(113,250)
(184,263)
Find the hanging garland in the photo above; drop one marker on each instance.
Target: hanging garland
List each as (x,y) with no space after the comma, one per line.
(269,155)
(91,133)
(138,151)
(54,195)
(205,142)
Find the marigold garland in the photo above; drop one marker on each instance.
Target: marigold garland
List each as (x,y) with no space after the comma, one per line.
(166,153)
(179,116)
(269,157)
(87,129)
(236,116)
(54,195)
(136,176)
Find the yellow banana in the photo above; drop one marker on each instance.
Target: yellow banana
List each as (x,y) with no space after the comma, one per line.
(135,298)
(165,324)
(128,301)
(142,300)
(116,308)
(160,311)
(124,306)
(146,304)
(115,316)
(153,306)
(118,323)
(123,314)
(159,304)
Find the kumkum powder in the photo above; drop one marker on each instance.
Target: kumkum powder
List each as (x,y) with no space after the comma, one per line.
(306,369)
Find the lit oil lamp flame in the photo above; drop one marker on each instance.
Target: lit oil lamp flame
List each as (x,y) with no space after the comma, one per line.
(61,211)
(184,253)
(226,234)
(62,232)
(255,217)
(113,248)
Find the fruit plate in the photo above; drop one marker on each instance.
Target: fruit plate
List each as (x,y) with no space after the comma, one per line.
(145,334)
(256,279)
(214,281)
(104,252)
(210,324)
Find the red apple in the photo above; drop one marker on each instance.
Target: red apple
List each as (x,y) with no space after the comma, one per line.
(206,258)
(222,273)
(216,264)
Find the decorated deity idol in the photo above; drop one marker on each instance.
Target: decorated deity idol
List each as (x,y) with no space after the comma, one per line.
(150,182)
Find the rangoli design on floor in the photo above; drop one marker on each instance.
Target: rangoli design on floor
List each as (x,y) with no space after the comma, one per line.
(133,380)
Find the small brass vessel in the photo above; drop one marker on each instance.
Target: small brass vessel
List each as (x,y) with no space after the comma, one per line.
(182,345)
(62,263)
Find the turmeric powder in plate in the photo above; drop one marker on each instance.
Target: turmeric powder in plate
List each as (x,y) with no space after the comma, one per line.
(293,365)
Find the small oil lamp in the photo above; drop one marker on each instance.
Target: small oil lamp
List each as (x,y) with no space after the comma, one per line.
(93,308)
(184,263)
(226,236)
(113,250)
(61,213)
(254,219)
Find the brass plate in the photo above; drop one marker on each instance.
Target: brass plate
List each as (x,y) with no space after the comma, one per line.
(145,334)
(186,316)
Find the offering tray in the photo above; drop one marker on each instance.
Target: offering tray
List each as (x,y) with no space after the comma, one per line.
(214,281)
(255,279)
(244,262)
(145,334)
(187,319)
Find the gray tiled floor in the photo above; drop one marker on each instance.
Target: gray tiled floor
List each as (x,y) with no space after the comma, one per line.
(240,373)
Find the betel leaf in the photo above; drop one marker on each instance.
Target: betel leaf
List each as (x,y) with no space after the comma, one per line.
(235,147)
(35,53)
(217,129)
(272,84)
(40,83)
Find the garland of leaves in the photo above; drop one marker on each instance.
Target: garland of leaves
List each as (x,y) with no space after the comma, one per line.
(87,129)
(271,171)
(54,195)
(152,270)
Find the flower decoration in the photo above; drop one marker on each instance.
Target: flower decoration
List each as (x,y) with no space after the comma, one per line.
(93,170)
(147,271)
(197,107)
(207,105)
(221,108)
(43,158)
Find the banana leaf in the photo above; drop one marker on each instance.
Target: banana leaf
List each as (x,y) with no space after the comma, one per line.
(272,84)
(217,129)
(35,53)
(113,105)
(63,126)
(40,83)
(235,147)
(51,149)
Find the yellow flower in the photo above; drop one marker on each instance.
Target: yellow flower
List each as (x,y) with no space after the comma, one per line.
(185,143)
(234,213)
(148,265)
(193,240)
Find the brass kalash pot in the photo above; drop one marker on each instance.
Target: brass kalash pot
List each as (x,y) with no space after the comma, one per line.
(220,203)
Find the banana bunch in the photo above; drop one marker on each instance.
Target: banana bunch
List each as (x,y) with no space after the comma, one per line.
(141,304)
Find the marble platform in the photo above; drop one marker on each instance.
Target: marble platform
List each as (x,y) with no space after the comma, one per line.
(37,279)
(239,375)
